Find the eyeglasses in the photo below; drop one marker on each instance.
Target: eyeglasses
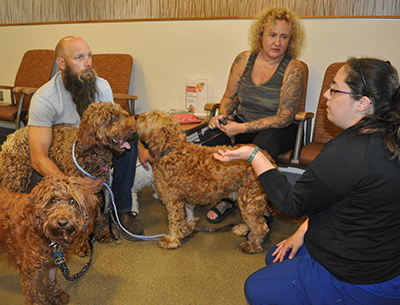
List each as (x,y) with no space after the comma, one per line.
(331,91)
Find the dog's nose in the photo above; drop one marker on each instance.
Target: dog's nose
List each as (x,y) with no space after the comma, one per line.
(62,223)
(133,135)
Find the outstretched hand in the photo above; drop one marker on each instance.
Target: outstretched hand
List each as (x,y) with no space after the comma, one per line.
(242,153)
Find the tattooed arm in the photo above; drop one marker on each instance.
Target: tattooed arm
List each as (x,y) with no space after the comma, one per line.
(292,93)
(228,102)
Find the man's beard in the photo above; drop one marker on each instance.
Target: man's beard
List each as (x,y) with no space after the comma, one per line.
(83,89)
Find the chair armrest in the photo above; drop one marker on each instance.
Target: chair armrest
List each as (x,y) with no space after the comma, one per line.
(29,91)
(24,91)
(130,98)
(301,117)
(211,107)
(124,96)
(305,117)
(6,87)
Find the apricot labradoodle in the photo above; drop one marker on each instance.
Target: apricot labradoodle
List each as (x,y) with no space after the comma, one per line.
(103,132)
(187,175)
(59,210)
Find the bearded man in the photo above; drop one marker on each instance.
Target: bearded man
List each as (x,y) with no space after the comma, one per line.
(63,100)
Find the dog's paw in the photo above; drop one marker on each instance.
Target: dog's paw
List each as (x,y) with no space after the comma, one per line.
(104,237)
(82,249)
(102,231)
(61,298)
(167,242)
(191,225)
(248,247)
(240,229)
(156,196)
(55,295)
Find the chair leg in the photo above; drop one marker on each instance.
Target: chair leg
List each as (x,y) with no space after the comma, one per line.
(297,145)
(21,103)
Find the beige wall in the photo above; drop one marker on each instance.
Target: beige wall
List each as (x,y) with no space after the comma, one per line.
(166,51)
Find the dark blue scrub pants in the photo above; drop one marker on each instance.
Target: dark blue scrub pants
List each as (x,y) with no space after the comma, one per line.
(302,280)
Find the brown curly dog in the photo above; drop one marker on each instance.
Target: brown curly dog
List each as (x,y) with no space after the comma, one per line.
(59,209)
(102,133)
(187,175)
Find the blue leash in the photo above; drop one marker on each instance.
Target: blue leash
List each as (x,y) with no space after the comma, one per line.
(154,237)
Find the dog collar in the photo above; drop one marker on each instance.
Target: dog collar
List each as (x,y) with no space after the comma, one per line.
(166,151)
(104,168)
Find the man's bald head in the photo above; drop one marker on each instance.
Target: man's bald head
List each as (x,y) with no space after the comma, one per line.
(63,47)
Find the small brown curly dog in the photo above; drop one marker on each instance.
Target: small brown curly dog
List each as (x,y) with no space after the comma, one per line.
(187,175)
(103,132)
(59,209)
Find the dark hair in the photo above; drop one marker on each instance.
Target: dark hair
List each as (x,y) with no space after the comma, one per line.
(379,81)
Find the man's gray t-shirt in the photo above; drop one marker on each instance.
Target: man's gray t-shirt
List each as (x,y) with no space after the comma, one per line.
(52,103)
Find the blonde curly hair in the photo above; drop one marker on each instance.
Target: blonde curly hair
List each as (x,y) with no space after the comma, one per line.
(266,19)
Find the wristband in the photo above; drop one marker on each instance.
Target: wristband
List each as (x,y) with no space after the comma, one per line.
(255,151)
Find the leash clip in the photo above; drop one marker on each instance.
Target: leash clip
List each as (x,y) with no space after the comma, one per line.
(58,255)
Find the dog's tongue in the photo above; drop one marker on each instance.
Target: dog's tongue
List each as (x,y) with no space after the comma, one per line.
(126,145)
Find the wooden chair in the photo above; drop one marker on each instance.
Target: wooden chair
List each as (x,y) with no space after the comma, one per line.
(303,118)
(34,71)
(117,70)
(324,130)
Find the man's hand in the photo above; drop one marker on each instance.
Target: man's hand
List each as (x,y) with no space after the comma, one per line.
(143,155)
(96,185)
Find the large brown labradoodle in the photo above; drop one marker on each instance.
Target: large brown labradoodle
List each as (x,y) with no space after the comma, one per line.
(187,175)
(59,210)
(103,132)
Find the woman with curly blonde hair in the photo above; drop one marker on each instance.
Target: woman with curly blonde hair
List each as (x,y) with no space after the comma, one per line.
(267,19)
(265,89)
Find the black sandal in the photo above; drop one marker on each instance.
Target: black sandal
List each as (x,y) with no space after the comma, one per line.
(221,216)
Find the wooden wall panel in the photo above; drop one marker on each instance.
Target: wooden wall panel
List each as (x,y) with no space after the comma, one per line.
(54,11)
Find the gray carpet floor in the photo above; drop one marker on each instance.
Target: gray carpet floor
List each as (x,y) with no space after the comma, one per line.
(209,268)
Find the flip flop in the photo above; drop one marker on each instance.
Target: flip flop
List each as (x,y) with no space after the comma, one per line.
(221,216)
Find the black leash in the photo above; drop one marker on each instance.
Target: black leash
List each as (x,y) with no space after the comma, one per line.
(215,229)
(213,137)
(111,221)
(58,255)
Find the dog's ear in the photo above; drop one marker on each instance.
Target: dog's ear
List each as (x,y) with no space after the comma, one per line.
(38,201)
(87,129)
(93,120)
(87,201)
(159,130)
(102,125)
